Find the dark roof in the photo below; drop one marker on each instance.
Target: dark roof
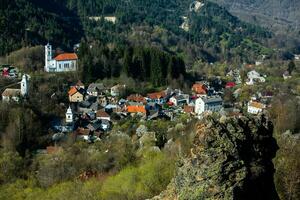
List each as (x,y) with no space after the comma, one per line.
(211,99)
(95,86)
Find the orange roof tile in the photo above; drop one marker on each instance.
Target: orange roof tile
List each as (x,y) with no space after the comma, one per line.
(136,98)
(199,88)
(72,91)
(257,105)
(136,109)
(156,95)
(66,56)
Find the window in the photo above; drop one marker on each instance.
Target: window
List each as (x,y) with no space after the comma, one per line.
(66,65)
(59,66)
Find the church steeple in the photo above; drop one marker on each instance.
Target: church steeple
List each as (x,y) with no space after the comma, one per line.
(48,56)
(69,115)
(24,85)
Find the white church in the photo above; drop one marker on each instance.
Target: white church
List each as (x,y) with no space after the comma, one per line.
(12,94)
(64,62)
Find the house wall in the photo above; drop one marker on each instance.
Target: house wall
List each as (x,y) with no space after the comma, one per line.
(77,97)
(65,66)
(104,118)
(61,66)
(254,110)
(174,101)
(201,106)
(5,98)
(8,99)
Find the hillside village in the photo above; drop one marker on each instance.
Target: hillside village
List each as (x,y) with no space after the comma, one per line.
(94,108)
(148,99)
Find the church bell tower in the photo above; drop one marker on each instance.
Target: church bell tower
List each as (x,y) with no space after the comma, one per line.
(48,56)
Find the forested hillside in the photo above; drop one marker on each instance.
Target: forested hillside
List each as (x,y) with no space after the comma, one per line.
(213,33)
(25,22)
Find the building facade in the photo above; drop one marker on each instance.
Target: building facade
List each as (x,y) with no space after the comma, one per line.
(64,62)
(209,103)
(255,107)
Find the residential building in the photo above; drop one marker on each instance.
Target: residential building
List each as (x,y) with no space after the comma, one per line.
(208,103)
(117,90)
(15,94)
(64,62)
(157,97)
(180,99)
(75,94)
(83,134)
(80,85)
(96,89)
(189,109)
(136,108)
(136,98)
(253,77)
(199,88)
(101,114)
(255,107)
(10,94)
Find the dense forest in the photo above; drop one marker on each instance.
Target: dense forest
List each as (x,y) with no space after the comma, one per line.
(25,23)
(140,63)
(214,34)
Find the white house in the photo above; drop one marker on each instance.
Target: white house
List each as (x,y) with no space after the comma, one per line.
(255,107)
(180,99)
(10,94)
(208,103)
(253,77)
(69,115)
(64,62)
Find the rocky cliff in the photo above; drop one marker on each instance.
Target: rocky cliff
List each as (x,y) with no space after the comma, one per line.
(231,158)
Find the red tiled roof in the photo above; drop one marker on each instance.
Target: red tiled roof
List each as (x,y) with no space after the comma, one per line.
(257,105)
(157,95)
(66,56)
(136,109)
(136,98)
(72,91)
(101,113)
(199,88)
(230,84)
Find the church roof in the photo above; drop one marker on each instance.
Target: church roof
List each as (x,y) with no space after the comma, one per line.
(66,56)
